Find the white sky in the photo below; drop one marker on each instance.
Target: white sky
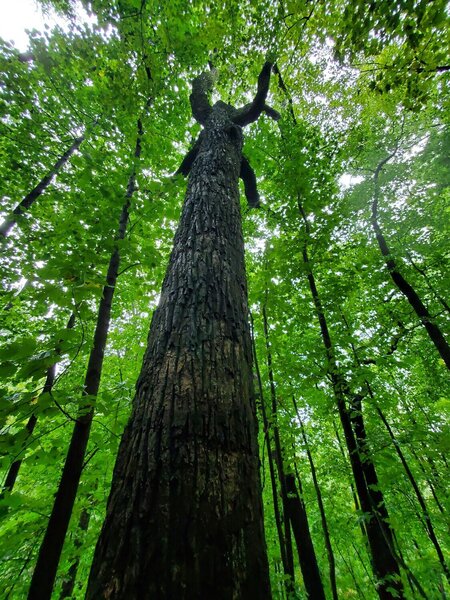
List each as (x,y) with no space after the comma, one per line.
(18,15)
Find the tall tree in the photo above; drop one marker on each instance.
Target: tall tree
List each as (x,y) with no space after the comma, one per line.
(185,509)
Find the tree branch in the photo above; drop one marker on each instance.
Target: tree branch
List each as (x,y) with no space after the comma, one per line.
(250,112)
(188,160)
(271,112)
(247,174)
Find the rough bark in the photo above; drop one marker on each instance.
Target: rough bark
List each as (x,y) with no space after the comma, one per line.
(32,196)
(50,551)
(184,517)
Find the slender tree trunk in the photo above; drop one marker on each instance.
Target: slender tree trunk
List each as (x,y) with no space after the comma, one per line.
(30,198)
(305,548)
(294,507)
(420,499)
(323,519)
(352,487)
(278,451)
(68,584)
(276,506)
(48,386)
(184,517)
(379,533)
(52,544)
(400,281)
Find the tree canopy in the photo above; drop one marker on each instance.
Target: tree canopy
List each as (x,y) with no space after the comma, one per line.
(350,231)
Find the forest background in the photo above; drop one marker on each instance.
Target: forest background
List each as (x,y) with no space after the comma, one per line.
(359,155)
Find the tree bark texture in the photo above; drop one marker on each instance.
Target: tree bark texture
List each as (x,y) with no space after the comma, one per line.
(184,517)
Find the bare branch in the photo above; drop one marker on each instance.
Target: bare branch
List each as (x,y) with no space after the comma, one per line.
(248,177)
(271,112)
(188,160)
(250,112)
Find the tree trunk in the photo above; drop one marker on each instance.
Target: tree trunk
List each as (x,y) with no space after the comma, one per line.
(184,517)
(276,505)
(305,548)
(379,533)
(68,583)
(420,499)
(402,284)
(293,506)
(30,198)
(52,544)
(323,519)
(279,454)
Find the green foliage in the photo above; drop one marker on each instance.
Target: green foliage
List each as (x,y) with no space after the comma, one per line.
(358,81)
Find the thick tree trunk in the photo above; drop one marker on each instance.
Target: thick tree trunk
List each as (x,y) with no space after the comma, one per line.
(30,198)
(52,544)
(184,518)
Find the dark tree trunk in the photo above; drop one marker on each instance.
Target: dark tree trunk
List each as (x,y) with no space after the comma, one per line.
(420,499)
(323,519)
(273,482)
(379,534)
(305,548)
(68,583)
(400,281)
(30,198)
(278,452)
(184,517)
(48,386)
(52,544)
(293,506)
